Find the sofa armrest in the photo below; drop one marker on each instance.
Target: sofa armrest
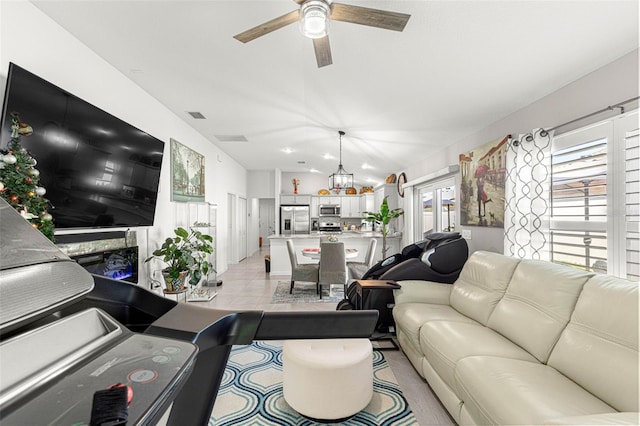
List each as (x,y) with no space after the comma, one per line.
(626,418)
(419,291)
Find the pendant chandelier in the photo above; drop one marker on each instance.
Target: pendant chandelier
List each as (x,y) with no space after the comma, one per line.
(341,179)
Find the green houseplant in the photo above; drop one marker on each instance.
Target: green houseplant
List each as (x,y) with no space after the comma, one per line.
(185,254)
(383,217)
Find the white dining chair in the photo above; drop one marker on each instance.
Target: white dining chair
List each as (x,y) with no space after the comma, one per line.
(301,272)
(358,269)
(333,266)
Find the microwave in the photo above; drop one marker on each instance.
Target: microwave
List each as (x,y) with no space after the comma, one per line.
(328,210)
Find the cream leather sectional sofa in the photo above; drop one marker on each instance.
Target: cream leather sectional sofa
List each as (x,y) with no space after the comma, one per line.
(523,342)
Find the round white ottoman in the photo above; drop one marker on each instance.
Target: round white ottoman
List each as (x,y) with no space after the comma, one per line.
(328,379)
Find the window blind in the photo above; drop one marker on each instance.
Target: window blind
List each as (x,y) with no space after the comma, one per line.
(632,204)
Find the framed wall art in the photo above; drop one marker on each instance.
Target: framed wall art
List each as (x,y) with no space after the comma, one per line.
(482,179)
(187,174)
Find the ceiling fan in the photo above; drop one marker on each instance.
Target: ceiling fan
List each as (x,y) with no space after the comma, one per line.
(314,17)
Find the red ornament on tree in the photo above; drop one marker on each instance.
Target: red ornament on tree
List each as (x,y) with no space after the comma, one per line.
(29,180)
(14,198)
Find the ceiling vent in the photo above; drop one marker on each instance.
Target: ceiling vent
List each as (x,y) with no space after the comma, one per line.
(231,138)
(197,115)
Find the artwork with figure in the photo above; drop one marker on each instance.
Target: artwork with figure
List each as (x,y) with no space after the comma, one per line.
(482,179)
(187,173)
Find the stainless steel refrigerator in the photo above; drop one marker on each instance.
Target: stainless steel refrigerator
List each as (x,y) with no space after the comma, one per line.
(294,219)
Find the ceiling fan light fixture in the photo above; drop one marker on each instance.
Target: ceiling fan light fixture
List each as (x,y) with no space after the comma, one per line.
(314,22)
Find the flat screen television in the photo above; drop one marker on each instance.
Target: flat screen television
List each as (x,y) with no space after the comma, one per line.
(98,171)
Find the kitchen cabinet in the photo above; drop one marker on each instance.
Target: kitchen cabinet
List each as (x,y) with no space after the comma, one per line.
(350,205)
(388,190)
(303,199)
(315,202)
(333,200)
(287,199)
(367,203)
(295,199)
(329,199)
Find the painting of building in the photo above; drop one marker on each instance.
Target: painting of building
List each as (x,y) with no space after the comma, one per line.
(482,179)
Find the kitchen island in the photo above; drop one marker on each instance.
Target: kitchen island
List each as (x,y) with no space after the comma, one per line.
(280,264)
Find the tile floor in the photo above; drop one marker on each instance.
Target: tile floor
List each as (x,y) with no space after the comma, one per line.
(246,285)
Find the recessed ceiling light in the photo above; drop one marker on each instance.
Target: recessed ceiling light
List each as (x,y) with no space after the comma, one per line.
(328,157)
(365,166)
(314,171)
(287,150)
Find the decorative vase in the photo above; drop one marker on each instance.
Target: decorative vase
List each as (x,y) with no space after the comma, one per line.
(174,284)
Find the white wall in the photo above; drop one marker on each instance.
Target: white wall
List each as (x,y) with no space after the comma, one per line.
(261,184)
(613,83)
(310,183)
(35,42)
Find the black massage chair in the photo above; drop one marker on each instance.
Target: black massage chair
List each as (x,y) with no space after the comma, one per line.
(439,257)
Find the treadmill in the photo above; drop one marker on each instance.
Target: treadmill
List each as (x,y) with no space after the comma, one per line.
(66,334)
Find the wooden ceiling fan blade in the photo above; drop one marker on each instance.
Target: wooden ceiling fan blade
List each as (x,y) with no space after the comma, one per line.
(323,51)
(371,17)
(268,26)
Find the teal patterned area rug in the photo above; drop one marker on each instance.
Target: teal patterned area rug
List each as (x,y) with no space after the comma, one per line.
(251,393)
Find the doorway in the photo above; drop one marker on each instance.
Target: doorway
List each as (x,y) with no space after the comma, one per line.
(231,229)
(267,219)
(242,228)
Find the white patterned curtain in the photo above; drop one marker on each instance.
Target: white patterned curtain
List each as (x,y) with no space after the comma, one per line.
(527,197)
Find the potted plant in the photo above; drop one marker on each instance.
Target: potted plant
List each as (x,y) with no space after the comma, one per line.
(383,217)
(185,254)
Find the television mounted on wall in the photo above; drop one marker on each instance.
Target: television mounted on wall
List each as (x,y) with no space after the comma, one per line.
(98,171)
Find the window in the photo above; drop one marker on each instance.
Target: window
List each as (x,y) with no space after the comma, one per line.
(594,198)
(435,207)
(632,204)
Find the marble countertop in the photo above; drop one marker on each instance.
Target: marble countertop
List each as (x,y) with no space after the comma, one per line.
(343,235)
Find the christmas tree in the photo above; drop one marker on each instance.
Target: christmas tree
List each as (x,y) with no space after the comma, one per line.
(19,180)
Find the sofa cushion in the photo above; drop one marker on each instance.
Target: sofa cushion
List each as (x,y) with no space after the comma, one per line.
(481,284)
(537,305)
(410,317)
(597,420)
(599,347)
(514,392)
(420,291)
(444,343)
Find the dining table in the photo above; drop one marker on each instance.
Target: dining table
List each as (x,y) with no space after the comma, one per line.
(314,253)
